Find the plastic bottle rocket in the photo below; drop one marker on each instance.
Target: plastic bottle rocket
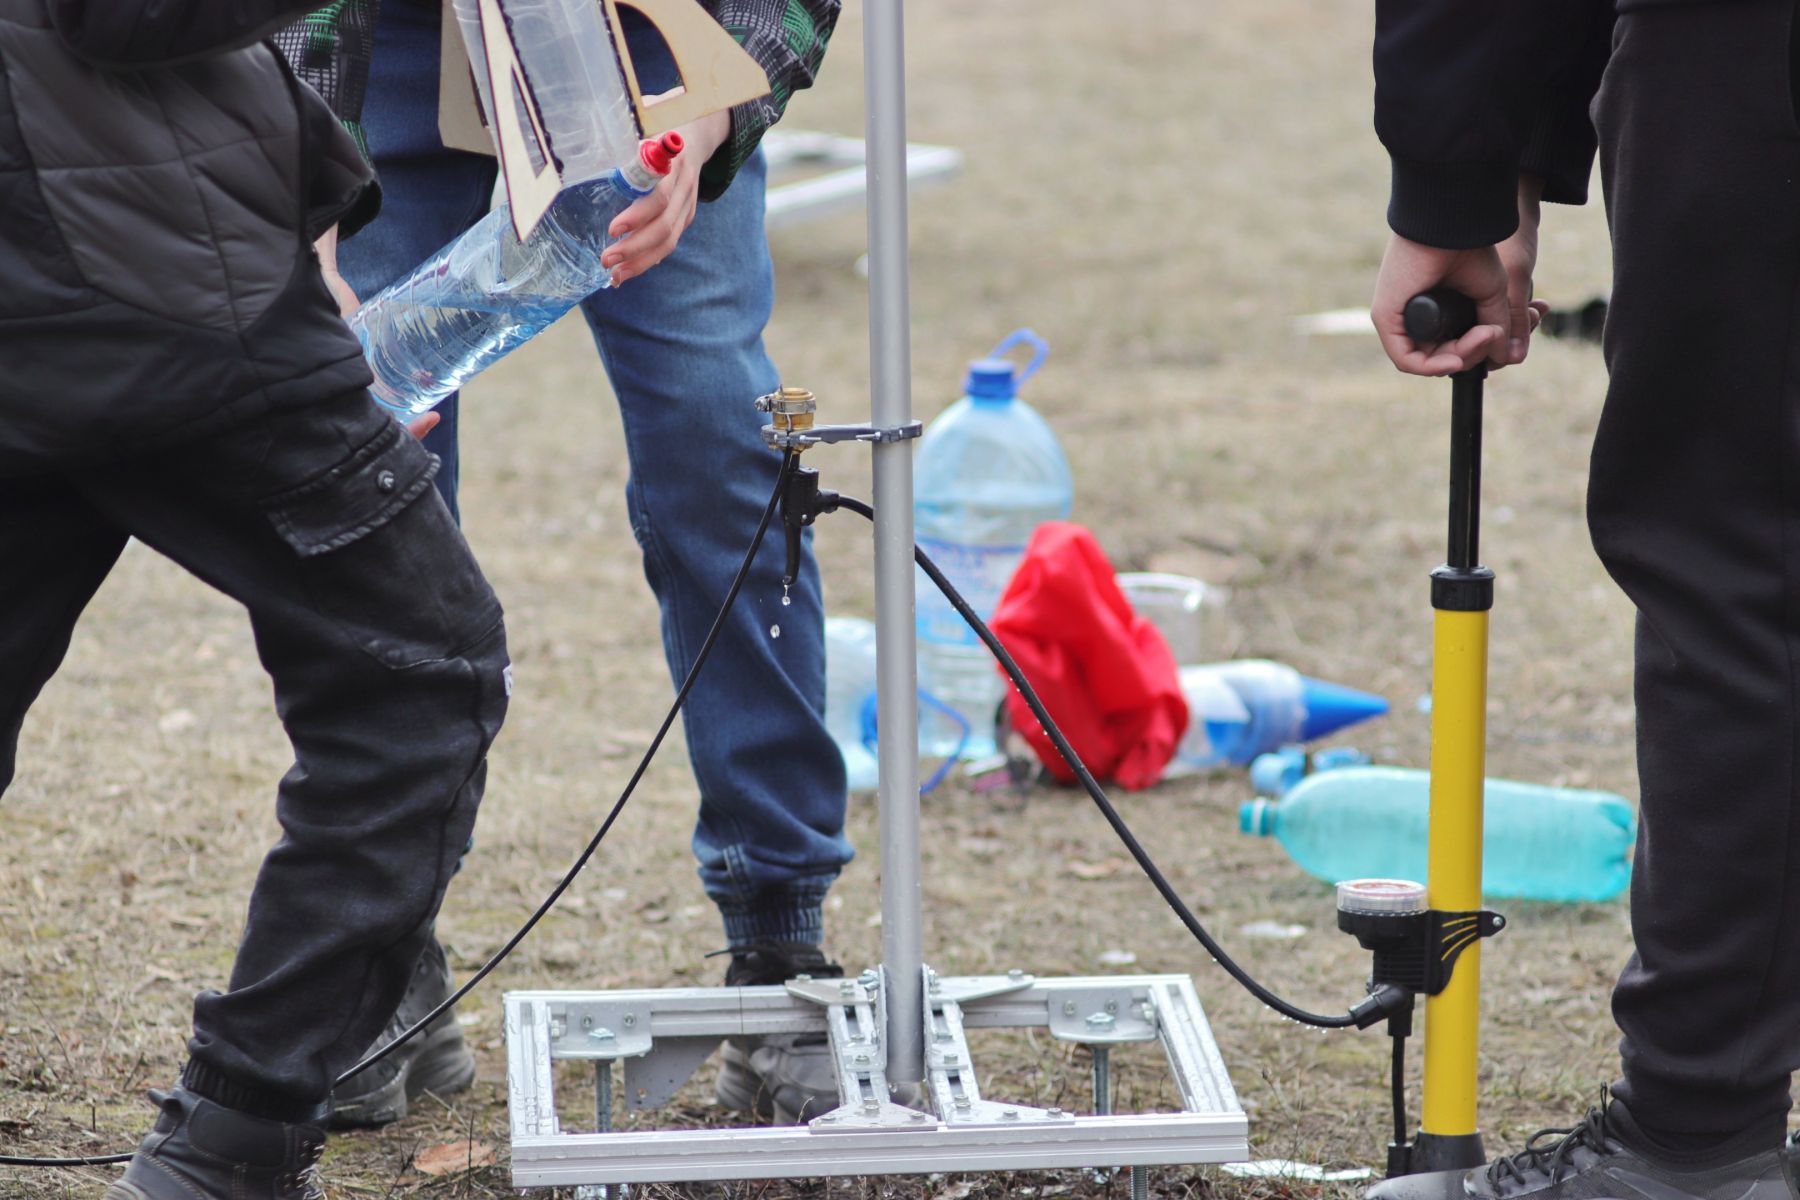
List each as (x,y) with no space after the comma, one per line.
(1540,843)
(1238,710)
(487,293)
(989,472)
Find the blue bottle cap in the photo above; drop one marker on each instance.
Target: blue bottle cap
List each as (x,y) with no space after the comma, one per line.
(1331,706)
(995,378)
(991,379)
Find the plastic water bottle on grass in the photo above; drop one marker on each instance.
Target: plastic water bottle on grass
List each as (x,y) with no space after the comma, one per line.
(1239,710)
(487,293)
(1539,843)
(989,472)
(851,715)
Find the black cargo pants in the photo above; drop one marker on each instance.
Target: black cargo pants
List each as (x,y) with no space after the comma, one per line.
(389,663)
(1694,505)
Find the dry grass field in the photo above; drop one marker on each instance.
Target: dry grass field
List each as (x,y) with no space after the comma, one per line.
(1158,190)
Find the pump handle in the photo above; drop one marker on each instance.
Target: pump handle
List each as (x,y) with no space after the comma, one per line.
(1439,315)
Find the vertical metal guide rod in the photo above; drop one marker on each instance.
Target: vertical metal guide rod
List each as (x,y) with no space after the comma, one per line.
(896,662)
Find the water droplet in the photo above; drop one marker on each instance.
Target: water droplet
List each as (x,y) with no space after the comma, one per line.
(774,631)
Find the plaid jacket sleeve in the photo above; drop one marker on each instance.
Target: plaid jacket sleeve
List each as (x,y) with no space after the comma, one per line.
(787,39)
(329,48)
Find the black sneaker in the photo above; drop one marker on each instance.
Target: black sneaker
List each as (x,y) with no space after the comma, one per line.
(435,1060)
(1589,1162)
(199,1150)
(782,1077)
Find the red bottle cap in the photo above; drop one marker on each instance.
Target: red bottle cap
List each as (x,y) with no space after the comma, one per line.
(658,154)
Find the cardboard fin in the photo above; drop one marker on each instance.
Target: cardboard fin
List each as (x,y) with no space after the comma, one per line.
(530,171)
(461,123)
(716,73)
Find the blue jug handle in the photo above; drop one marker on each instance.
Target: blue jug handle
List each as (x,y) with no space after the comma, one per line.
(1040,350)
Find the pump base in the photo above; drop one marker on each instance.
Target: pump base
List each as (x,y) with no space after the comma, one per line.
(1431,1167)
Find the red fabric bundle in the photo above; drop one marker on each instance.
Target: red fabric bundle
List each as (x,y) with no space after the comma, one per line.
(1105,674)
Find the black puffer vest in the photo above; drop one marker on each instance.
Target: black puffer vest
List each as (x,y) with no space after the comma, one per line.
(157,280)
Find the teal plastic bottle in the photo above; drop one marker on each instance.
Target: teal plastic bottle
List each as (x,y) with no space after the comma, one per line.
(1540,843)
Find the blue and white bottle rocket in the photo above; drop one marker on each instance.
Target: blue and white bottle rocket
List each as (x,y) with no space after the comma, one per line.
(1238,710)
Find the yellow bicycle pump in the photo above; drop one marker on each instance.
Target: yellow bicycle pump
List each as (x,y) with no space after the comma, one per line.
(1430,944)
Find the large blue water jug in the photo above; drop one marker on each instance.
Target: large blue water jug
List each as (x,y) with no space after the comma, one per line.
(1539,843)
(989,471)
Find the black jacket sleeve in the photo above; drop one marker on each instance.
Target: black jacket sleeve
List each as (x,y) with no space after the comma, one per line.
(1462,90)
(155,33)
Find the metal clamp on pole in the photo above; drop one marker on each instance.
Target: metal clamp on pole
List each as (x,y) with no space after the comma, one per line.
(794,427)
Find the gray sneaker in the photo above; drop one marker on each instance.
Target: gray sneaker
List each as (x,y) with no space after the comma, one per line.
(786,1078)
(1589,1162)
(436,1059)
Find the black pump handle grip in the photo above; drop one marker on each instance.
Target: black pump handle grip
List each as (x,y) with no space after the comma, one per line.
(1439,315)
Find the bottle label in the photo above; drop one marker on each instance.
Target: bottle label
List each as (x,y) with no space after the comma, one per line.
(980,573)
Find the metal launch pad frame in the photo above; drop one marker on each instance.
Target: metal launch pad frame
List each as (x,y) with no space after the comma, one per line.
(899,1030)
(662,1037)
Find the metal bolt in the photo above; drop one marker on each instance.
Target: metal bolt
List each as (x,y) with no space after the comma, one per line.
(1054,1112)
(587,1022)
(629,1020)
(1100,1020)
(1015,974)
(1010,1115)
(846,988)
(860,1060)
(1068,1008)
(871,1107)
(803,978)
(826,1119)
(870,979)
(919,1118)
(951,1058)
(962,1102)
(1112,1006)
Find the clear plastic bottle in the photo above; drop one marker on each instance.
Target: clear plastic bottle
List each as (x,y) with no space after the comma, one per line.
(849,687)
(989,472)
(487,293)
(1539,843)
(1238,710)
(851,715)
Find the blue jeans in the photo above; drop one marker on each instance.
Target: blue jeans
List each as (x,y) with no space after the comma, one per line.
(682,346)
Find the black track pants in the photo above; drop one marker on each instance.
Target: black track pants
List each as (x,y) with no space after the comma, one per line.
(1694,505)
(388,658)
